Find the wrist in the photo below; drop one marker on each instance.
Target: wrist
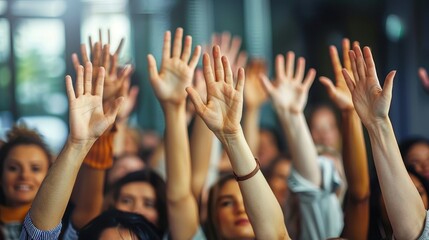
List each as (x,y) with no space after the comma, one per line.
(230,138)
(173,106)
(375,126)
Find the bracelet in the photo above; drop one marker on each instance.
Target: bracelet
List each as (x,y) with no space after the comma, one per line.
(251,174)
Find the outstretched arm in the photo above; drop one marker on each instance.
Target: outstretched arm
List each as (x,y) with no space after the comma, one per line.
(356,219)
(222,114)
(289,95)
(88,121)
(403,203)
(177,69)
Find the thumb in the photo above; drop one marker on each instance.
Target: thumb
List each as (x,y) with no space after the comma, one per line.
(388,83)
(328,84)
(196,100)
(113,109)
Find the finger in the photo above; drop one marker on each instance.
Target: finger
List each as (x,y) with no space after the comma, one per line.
(330,88)
(388,84)
(90,45)
(300,69)
(225,42)
(219,71)
(360,63)
(106,57)
(241,60)
(196,100)
(166,49)
(132,96)
(235,48)
(195,57)
(153,71)
(280,67)
(99,85)
(177,44)
(268,86)
(187,49)
(227,69)
(84,54)
(113,110)
(309,78)
(349,80)
(207,69)
(290,63)
(335,61)
(108,36)
(119,49)
(354,67)
(100,39)
(79,81)
(75,61)
(215,40)
(241,78)
(88,78)
(69,88)
(114,65)
(369,62)
(346,57)
(96,58)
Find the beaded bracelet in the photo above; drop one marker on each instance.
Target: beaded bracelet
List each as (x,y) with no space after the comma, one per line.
(251,174)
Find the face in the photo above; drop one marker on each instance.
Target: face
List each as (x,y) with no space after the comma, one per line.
(138,197)
(418,158)
(116,233)
(324,129)
(231,216)
(123,166)
(267,150)
(278,181)
(24,169)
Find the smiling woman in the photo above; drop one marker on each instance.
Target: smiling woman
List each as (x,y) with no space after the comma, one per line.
(24,163)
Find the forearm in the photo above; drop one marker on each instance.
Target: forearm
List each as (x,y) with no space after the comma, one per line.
(403,203)
(201,148)
(355,157)
(301,145)
(251,128)
(356,219)
(267,218)
(89,202)
(182,206)
(52,198)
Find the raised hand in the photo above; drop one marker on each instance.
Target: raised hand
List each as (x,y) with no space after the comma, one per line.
(290,90)
(254,94)
(223,110)
(371,102)
(424,78)
(339,93)
(130,98)
(101,56)
(87,118)
(176,69)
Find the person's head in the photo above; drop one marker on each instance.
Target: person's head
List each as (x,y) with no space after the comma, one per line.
(415,153)
(115,224)
(123,165)
(227,218)
(143,192)
(324,126)
(277,174)
(24,163)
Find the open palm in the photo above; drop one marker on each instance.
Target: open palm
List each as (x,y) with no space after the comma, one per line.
(176,73)
(339,93)
(87,118)
(371,102)
(290,90)
(223,110)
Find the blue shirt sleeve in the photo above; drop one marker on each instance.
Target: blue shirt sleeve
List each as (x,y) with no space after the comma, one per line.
(29,231)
